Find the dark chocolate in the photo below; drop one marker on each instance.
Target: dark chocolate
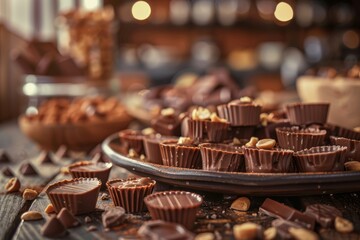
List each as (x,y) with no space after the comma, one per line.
(8,172)
(167,125)
(278,210)
(324,214)
(53,228)
(45,158)
(113,217)
(63,152)
(157,229)
(91,169)
(282,228)
(4,157)
(67,218)
(27,169)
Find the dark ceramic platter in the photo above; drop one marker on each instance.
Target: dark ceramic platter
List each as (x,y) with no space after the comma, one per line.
(253,184)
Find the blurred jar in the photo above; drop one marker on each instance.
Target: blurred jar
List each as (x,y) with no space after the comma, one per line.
(88,37)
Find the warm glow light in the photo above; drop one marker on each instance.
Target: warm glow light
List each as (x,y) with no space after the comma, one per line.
(351,39)
(141,10)
(283,12)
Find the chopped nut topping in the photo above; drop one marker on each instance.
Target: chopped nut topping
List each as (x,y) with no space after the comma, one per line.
(29,194)
(49,209)
(148,131)
(266,143)
(302,234)
(343,225)
(214,118)
(252,143)
(166,112)
(142,157)
(264,119)
(247,230)
(200,113)
(132,153)
(185,141)
(245,100)
(270,233)
(241,204)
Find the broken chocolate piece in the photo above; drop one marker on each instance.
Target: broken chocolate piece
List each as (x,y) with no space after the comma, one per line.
(282,228)
(113,217)
(67,218)
(45,158)
(157,229)
(8,172)
(53,228)
(323,214)
(4,157)
(278,210)
(27,169)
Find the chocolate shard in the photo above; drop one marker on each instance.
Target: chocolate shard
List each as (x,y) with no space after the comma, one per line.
(63,152)
(4,157)
(45,158)
(67,218)
(282,228)
(113,217)
(27,169)
(8,172)
(53,228)
(278,210)
(157,229)
(323,214)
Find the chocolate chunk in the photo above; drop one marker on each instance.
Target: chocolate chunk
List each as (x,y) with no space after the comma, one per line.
(8,172)
(53,228)
(67,218)
(113,217)
(4,157)
(158,229)
(282,228)
(45,158)
(278,210)
(323,214)
(27,169)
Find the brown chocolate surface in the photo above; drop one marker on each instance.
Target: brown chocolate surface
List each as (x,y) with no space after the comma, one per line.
(7,172)
(167,125)
(323,214)
(176,155)
(27,169)
(353,147)
(113,217)
(75,187)
(282,228)
(131,183)
(4,157)
(307,113)
(53,228)
(45,158)
(67,218)
(157,229)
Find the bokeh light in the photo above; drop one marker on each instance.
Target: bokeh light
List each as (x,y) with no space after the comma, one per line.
(351,39)
(283,12)
(141,10)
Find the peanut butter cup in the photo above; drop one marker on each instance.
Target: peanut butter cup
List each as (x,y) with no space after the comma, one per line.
(91,169)
(174,206)
(297,139)
(321,159)
(353,147)
(242,112)
(152,147)
(131,139)
(221,157)
(130,193)
(182,153)
(307,113)
(78,195)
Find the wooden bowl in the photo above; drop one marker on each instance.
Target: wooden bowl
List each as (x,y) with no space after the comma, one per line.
(81,136)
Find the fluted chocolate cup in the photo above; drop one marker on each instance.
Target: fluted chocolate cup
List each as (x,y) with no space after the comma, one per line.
(242,132)
(174,206)
(205,130)
(345,133)
(321,159)
(152,148)
(130,193)
(307,113)
(353,147)
(131,139)
(91,169)
(268,160)
(221,157)
(297,139)
(184,156)
(240,114)
(78,195)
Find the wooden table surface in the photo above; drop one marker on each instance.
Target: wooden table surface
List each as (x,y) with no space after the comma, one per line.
(215,215)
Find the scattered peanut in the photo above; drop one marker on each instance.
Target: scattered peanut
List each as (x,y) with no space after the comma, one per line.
(270,233)
(266,143)
(264,119)
(214,118)
(148,131)
(241,204)
(132,153)
(252,142)
(49,209)
(343,225)
(205,236)
(31,216)
(352,166)
(142,157)
(184,141)
(29,194)
(13,185)
(302,234)
(166,112)
(236,141)
(65,170)
(246,231)
(200,114)
(245,100)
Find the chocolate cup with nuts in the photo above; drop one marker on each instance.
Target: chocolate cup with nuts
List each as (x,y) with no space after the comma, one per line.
(240,114)
(176,155)
(78,195)
(221,157)
(353,147)
(91,169)
(168,123)
(298,139)
(130,193)
(307,113)
(152,148)
(174,206)
(321,159)
(131,139)
(274,160)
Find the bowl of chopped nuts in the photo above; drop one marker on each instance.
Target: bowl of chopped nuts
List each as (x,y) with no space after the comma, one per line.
(80,124)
